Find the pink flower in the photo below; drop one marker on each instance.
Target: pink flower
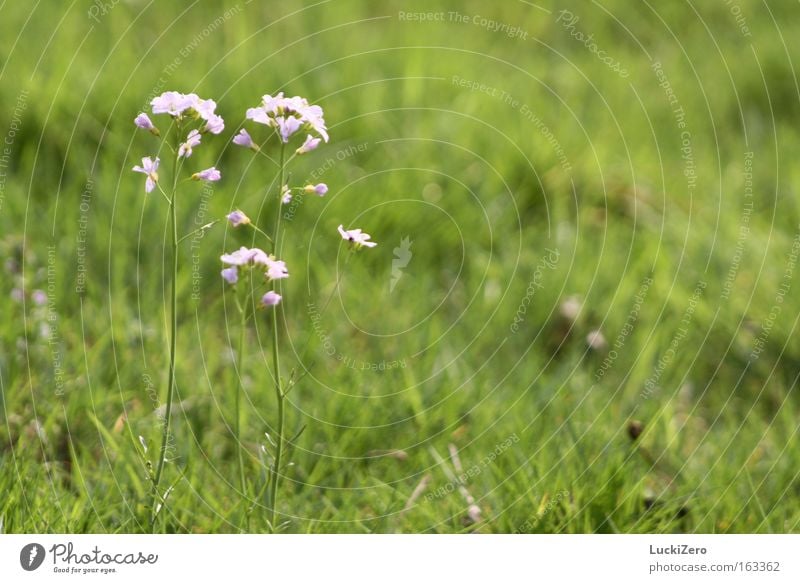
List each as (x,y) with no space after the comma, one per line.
(39,297)
(270,299)
(240,257)
(356,237)
(312,115)
(286,198)
(230,274)
(319,189)
(150,168)
(215,124)
(288,115)
(245,256)
(192,140)
(143,121)
(172,102)
(243,139)
(209,175)
(311,143)
(237,218)
(276,269)
(258,115)
(287,126)
(204,107)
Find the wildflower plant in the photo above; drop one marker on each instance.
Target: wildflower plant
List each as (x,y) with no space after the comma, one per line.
(252,275)
(190,119)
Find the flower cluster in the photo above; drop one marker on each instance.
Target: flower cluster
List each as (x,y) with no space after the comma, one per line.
(288,115)
(184,109)
(192,118)
(254,258)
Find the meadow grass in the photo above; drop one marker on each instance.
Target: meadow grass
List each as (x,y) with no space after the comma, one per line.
(489,153)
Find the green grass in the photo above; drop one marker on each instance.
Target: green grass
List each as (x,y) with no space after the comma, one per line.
(474,181)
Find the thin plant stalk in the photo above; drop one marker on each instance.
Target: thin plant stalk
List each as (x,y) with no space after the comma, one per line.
(162,457)
(276,365)
(239,388)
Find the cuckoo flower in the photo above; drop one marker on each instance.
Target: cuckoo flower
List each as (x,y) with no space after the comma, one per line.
(215,124)
(287,126)
(270,299)
(276,269)
(143,121)
(319,189)
(311,143)
(149,167)
(209,175)
(192,140)
(237,218)
(288,115)
(172,102)
(356,238)
(230,274)
(244,140)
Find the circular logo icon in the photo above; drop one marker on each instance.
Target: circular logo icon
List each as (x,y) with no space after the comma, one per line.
(31,556)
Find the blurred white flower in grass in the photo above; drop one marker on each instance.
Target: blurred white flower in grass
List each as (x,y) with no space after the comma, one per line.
(570,308)
(356,237)
(39,297)
(596,340)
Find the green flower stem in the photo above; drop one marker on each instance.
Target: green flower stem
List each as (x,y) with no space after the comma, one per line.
(276,365)
(162,457)
(239,389)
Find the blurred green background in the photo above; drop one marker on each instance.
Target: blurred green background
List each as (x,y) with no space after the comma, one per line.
(621,172)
